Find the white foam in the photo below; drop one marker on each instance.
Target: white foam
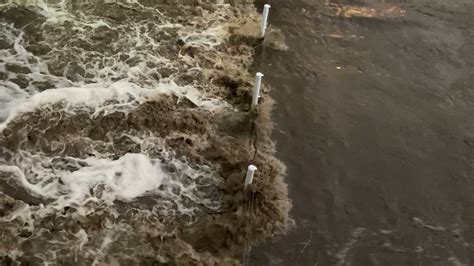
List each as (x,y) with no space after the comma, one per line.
(96,95)
(125,179)
(20,49)
(192,94)
(55,14)
(357,234)
(209,37)
(420,222)
(93,95)
(82,238)
(18,55)
(10,96)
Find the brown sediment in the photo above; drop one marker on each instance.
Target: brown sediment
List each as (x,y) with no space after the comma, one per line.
(229,140)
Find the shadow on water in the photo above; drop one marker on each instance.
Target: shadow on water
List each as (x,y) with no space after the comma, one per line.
(374,103)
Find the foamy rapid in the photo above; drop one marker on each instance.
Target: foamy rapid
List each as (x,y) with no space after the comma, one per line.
(126,178)
(125,132)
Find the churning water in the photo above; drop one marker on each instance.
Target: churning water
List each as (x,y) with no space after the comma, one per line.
(126,132)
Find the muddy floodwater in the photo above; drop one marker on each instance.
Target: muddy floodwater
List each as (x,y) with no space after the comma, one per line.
(126,132)
(375,103)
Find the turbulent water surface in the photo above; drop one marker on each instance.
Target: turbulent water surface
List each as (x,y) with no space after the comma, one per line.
(126,133)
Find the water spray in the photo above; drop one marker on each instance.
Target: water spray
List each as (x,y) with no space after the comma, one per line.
(256,89)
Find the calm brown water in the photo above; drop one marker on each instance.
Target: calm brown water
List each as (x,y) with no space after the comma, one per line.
(374,113)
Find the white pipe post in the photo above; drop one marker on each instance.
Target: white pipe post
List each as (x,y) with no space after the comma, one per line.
(256,89)
(250,173)
(263,25)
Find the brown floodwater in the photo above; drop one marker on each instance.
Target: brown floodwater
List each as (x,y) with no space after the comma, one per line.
(374,122)
(126,132)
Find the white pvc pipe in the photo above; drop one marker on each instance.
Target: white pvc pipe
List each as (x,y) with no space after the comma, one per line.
(250,173)
(263,25)
(256,89)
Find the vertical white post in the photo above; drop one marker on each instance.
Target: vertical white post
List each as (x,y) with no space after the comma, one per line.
(256,89)
(263,25)
(250,172)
